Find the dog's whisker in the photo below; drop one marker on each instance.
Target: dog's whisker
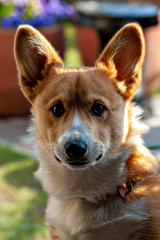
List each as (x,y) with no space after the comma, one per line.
(45,150)
(90,173)
(98,171)
(41,153)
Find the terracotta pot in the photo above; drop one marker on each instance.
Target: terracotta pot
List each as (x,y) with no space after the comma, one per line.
(12,101)
(88,43)
(152,57)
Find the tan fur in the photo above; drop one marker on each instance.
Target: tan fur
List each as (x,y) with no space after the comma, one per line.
(83,202)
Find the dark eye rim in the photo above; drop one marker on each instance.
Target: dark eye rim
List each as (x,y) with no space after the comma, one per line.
(61,110)
(100,113)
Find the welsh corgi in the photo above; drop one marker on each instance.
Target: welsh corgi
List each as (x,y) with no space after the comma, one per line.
(103,183)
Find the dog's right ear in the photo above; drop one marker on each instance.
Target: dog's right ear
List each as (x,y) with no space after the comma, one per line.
(123,57)
(34,56)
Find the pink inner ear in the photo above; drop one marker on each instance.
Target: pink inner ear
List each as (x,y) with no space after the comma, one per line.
(125,61)
(39,62)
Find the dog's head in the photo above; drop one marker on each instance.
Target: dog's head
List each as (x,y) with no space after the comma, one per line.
(81,113)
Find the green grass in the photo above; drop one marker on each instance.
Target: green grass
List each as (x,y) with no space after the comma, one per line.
(156,92)
(22,201)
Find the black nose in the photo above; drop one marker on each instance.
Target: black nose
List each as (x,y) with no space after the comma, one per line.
(75,149)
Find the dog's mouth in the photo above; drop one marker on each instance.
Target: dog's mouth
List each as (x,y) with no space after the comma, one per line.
(78,163)
(99,157)
(74,163)
(58,160)
(81,163)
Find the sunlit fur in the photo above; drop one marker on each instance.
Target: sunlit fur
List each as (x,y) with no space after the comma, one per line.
(84,203)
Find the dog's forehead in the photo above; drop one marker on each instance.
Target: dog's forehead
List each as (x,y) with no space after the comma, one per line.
(82,84)
(80,81)
(74,76)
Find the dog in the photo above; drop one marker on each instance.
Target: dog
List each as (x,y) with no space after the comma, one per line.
(103,183)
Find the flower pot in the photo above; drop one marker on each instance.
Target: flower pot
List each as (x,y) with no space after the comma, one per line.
(152,57)
(88,43)
(12,101)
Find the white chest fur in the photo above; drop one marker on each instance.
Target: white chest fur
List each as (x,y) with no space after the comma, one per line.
(111,219)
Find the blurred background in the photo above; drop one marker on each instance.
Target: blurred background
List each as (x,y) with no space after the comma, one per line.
(79,30)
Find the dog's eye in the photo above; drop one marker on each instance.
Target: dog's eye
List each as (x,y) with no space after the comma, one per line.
(57,110)
(97,109)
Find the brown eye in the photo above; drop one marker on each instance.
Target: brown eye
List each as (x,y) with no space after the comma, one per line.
(57,110)
(97,109)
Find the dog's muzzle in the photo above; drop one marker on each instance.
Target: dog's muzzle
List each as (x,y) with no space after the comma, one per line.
(76,150)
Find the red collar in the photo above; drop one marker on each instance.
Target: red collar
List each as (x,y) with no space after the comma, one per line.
(126,188)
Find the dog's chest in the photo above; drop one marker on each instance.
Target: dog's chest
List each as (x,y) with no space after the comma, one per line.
(76,220)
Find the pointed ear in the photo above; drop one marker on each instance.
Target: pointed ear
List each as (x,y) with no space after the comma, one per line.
(34,56)
(123,59)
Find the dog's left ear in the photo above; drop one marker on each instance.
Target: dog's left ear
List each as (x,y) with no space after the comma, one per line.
(34,56)
(123,58)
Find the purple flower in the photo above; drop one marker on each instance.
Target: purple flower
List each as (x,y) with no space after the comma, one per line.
(7,22)
(44,13)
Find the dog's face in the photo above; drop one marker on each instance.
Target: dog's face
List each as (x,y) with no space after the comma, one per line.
(81,113)
(77,117)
